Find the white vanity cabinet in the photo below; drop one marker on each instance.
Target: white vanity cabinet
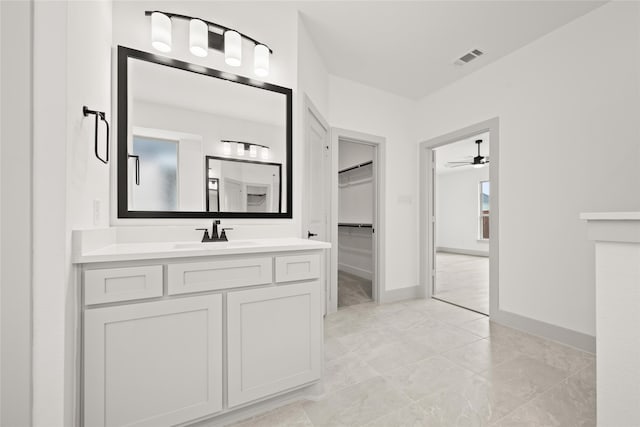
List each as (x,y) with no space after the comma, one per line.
(274,340)
(171,341)
(154,363)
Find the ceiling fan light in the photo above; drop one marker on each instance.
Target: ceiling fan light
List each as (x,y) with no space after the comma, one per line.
(232,48)
(160,32)
(198,38)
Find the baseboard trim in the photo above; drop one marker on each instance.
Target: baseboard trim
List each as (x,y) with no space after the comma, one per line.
(542,329)
(394,295)
(458,251)
(356,271)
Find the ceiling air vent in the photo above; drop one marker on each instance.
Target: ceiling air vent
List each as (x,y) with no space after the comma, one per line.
(468,57)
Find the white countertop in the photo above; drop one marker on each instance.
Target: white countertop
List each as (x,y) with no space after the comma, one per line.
(610,216)
(156,250)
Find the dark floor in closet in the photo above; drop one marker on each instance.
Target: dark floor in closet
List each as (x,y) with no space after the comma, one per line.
(353,290)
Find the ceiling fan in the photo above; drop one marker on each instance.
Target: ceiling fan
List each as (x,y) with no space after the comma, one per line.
(477,161)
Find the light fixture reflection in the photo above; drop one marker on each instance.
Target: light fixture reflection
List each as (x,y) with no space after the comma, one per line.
(240,149)
(264,153)
(226,148)
(253,151)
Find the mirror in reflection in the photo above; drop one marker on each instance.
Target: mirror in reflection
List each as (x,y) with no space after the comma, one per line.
(243,185)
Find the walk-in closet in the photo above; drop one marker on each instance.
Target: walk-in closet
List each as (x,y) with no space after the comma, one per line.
(356,214)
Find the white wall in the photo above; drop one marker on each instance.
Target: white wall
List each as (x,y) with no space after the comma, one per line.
(313,77)
(360,108)
(572,100)
(15,212)
(458,210)
(71,69)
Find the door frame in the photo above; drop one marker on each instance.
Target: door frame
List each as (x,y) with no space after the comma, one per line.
(379,144)
(427,214)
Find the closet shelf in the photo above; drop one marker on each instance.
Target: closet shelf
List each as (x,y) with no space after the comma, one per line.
(370,162)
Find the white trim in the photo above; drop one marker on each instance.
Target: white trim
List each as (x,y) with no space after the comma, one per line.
(379,167)
(462,251)
(427,219)
(402,294)
(556,333)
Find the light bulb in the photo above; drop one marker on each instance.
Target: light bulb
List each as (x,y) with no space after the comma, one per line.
(232,48)
(198,38)
(240,149)
(160,32)
(264,153)
(226,148)
(261,60)
(253,151)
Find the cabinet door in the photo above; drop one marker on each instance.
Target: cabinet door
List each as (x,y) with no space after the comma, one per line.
(274,340)
(153,364)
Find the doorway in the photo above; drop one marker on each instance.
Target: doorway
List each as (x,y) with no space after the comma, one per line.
(462,218)
(356,207)
(459,214)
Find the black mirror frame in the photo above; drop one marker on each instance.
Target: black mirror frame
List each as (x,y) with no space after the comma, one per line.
(124,53)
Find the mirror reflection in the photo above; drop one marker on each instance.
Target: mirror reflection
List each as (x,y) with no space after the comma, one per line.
(197,143)
(243,185)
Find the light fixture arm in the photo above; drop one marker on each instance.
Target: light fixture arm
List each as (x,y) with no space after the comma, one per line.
(215,39)
(246,144)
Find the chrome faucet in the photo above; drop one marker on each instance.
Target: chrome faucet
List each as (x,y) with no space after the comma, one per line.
(214,233)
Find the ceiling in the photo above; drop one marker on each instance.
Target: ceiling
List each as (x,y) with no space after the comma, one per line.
(408,47)
(462,150)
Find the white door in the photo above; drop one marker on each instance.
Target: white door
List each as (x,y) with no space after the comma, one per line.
(318,185)
(153,364)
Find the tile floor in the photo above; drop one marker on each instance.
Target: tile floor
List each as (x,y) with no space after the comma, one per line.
(353,290)
(428,363)
(463,280)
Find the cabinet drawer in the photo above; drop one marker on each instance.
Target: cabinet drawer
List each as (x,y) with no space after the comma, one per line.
(214,275)
(122,284)
(297,267)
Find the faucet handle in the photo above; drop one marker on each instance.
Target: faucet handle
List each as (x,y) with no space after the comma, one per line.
(223,234)
(205,237)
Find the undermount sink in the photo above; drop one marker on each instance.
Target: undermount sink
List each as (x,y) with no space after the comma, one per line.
(213,245)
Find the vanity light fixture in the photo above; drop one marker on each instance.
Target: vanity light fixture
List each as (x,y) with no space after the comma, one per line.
(161,31)
(226,148)
(242,147)
(205,35)
(198,38)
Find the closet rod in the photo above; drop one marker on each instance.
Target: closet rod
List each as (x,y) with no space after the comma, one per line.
(355,225)
(356,166)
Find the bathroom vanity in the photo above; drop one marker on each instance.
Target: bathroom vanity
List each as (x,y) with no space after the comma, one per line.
(177,332)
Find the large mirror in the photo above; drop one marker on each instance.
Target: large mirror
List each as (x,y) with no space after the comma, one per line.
(197,142)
